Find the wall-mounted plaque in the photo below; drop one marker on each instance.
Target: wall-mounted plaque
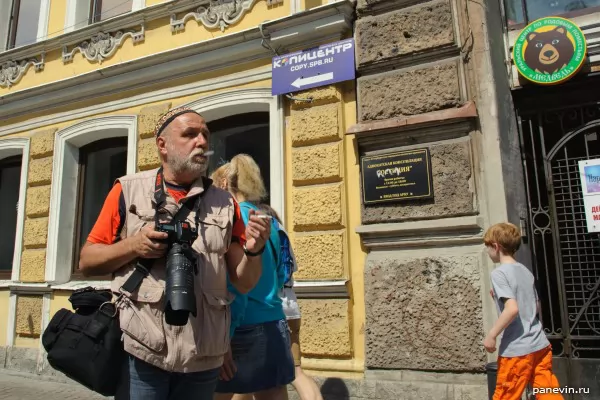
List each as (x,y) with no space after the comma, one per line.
(398,176)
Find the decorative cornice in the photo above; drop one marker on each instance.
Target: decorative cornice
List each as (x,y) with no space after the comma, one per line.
(103,45)
(325,289)
(217,13)
(12,71)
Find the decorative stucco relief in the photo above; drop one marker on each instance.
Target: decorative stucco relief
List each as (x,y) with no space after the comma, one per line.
(12,71)
(215,13)
(102,45)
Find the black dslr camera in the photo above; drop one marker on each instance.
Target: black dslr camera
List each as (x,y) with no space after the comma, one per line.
(181,268)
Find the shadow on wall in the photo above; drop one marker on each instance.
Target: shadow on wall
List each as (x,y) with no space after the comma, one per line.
(334,389)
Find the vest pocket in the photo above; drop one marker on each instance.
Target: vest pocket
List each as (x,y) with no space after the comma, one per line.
(216,318)
(212,233)
(142,319)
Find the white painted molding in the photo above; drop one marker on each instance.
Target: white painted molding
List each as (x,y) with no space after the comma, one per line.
(103,45)
(12,320)
(329,22)
(295,6)
(12,147)
(241,101)
(63,196)
(70,16)
(237,79)
(214,14)
(44,20)
(138,5)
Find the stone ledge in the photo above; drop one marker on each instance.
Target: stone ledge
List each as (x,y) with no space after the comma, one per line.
(434,118)
(422,233)
(372,7)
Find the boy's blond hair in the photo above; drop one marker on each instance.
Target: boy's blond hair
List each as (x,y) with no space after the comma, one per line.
(505,235)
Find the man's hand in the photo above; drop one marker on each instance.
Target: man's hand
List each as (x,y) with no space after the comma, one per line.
(489,343)
(257,232)
(228,369)
(146,243)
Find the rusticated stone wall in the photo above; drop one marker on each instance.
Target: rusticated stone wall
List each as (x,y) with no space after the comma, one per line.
(423,303)
(147,152)
(37,206)
(319,234)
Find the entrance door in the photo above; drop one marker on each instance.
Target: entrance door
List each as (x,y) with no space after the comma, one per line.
(566,257)
(242,133)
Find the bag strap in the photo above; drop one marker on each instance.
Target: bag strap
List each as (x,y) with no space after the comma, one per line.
(142,269)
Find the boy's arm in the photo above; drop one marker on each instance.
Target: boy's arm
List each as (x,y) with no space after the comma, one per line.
(504,292)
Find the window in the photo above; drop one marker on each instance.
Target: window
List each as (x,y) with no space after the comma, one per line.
(522,12)
(104,9)
(23,21)
(240,134)
(100,164)
(10,182)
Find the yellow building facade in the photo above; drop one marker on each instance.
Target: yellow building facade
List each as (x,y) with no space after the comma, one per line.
(80,91)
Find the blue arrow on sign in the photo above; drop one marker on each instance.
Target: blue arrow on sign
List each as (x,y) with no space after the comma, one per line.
(324,65)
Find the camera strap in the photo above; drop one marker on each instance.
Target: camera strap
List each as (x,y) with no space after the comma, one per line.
(160,197)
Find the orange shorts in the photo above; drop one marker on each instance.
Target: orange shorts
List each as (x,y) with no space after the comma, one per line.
(294,326)
(514,373)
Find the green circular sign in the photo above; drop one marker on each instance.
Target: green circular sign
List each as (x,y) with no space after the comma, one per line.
(549,50)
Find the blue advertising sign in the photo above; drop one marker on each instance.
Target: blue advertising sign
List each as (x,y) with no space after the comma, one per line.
(320,66)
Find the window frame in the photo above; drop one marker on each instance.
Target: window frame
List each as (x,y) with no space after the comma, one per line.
(8,148)
(527,20)
(11,161)
(84,152)
(13,24)
(62,207)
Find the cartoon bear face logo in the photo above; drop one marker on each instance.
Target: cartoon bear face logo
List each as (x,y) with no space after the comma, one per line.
(549,52)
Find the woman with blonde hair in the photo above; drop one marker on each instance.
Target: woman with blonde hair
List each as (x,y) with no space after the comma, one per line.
(260,342)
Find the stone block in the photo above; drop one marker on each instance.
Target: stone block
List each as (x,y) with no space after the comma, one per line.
(38,201)
(2,356)
(29,316)
(470,392)
(319,256)
(453,188)
(315,125)
(40,171)
(36,233)
(409,92)
(317,164)
(22,359)
(148,117)
(42,143)
(325,328)
(405,32)
(435,306)
(319,96)
(319,206)
(33,265)
(147,154)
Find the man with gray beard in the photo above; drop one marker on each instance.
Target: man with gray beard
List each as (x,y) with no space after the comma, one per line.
(174,361)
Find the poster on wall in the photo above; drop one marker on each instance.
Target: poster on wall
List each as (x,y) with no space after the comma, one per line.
(550,50)
(589,171)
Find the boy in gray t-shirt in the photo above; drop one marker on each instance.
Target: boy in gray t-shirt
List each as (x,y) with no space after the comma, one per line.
(525,355)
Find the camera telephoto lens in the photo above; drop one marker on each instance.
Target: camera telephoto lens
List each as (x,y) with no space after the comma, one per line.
(180,298)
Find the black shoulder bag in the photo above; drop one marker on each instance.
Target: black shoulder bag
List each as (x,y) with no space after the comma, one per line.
(86,344)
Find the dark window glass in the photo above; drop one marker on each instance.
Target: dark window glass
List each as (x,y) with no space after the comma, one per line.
(104,9)
(10,182)
(24,22)
(521,12)
(100,163)
(242,133)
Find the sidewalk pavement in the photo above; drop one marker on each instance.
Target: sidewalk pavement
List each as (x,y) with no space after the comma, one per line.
(21,386)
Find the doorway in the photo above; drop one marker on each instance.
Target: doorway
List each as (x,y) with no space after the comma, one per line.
(558,128)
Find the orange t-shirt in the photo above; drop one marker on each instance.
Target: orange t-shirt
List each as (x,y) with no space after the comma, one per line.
(112,216)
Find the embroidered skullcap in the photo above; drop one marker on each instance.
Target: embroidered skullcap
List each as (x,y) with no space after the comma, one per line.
(167,118)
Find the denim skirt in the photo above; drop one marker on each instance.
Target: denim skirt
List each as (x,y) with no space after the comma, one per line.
(262,357)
